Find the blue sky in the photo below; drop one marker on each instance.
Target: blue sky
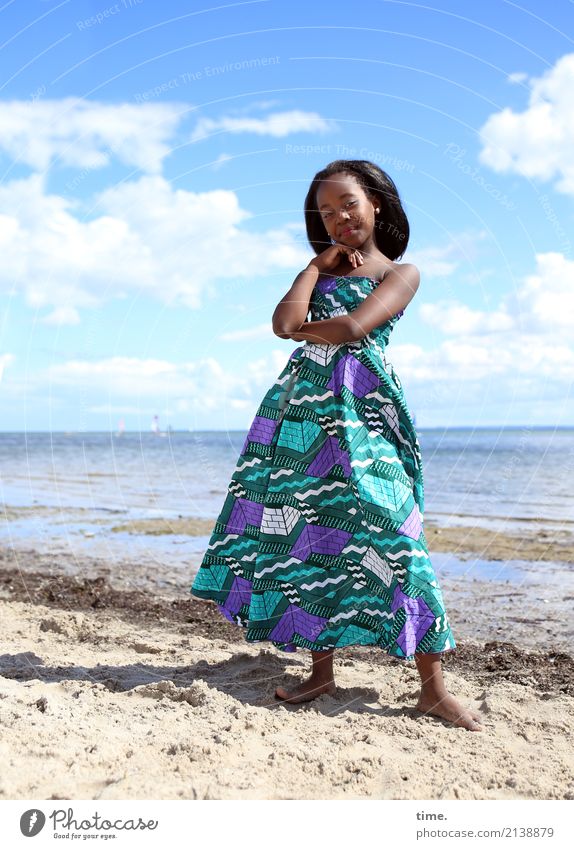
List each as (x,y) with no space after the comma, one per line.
(154,160)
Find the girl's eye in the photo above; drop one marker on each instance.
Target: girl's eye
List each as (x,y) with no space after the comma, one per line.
(329,214)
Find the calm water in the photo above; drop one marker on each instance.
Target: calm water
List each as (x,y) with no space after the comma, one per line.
(492,475)
(76,487)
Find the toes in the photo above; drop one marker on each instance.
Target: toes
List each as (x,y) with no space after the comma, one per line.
(474,721)
(281,693)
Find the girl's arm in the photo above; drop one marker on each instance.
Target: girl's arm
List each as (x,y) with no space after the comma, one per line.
(392,295)
(328,331)
(291,311)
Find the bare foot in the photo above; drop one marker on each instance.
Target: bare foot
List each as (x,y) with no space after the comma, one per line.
(450,709)
(306,691)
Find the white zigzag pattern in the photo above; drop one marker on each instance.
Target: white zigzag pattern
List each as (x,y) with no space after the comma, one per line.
(223,541)
(275,566)
(236,486)
(256,461)
(349,423)
(358,464)
(287,472)
(378,613)
(358,549)
(395,555)
(359,291)
(390,460)
(376,396)
(297,401)
(326,488)
(343,615)
(350,613)
(324,583)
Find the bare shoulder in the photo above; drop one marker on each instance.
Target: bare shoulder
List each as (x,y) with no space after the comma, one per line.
(408,271)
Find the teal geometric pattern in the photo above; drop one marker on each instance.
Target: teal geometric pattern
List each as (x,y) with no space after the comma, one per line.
(319,543)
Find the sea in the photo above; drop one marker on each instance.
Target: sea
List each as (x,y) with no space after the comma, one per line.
(65,490)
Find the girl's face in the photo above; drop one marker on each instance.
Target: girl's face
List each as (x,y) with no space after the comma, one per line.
(347,212)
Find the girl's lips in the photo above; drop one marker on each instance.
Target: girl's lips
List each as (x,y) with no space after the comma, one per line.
(348,230)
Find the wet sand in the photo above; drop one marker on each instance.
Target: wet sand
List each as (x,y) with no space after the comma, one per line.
(544,541)
(538,544)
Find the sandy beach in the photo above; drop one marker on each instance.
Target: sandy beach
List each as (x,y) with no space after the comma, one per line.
(112,691)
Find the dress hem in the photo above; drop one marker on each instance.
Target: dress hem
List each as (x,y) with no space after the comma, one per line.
(289,648)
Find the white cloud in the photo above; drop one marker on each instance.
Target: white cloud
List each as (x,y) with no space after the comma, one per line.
(278,125)
(542,305)
(460,320)
(545,303)
(517,77)
(528,336)
(200,390)
(86,134)
(457,361)
(538,142)
(5,360)
(62,315)
(443,260)
(141,236)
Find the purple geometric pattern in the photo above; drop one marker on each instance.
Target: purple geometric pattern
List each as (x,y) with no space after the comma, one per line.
(412,526)
(297,621)
(319,540)
(261,430)
(244,513)
(326,285)
(350,372)
(350,560)
(419,619)
(239,594)
(330,454)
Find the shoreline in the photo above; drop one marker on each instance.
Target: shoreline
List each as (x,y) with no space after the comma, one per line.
(527,602)
(540,540)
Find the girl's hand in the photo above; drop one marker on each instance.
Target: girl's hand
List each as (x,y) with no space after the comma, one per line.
(331,257)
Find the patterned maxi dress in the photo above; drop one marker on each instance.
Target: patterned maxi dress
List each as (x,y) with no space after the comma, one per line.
(320,543)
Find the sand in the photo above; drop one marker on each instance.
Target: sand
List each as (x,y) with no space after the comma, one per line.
(111,692)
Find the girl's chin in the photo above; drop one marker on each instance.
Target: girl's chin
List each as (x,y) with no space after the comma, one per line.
(354,239)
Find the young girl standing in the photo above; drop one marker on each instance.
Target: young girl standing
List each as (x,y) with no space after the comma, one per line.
(320,542)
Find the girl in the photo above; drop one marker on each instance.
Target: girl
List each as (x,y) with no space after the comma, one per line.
(320,542)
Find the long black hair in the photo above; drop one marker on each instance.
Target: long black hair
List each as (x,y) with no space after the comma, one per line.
(391,224)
